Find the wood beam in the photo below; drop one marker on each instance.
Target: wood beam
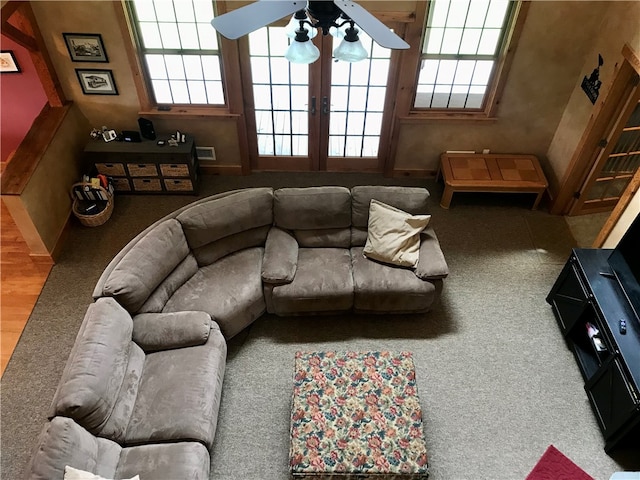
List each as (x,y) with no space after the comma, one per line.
(7,10)
(42,61)
(19,37)
(24,30)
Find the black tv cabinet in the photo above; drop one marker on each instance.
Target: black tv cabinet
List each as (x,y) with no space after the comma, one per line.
(587,292)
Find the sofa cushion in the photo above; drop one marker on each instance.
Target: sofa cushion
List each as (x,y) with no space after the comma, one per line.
(179,394)
(62,442)
(183,272)
(412,200)
(312,208)
(146,265)
(431,264)
(214,251)
(97,369)
(162,331)
(184,460)
(229,290)
(323,284)
(324,238)
(209,221)
(394,235)
(280,257)
(381,288)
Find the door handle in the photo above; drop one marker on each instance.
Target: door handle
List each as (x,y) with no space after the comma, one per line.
(325,105)
(312,110)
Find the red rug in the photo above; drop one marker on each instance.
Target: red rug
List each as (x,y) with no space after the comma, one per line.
(553,465)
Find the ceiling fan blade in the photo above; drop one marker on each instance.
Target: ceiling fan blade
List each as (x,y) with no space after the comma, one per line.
(244,20)
(373,27)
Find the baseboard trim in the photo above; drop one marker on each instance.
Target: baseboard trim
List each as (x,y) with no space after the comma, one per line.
(221,169)
(414,173)
(42,259)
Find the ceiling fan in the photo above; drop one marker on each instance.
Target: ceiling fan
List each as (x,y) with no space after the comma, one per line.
(310,15)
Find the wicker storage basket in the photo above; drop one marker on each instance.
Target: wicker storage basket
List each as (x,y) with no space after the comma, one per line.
(92,220)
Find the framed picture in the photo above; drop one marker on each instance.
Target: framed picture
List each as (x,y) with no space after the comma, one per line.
(96,82)
(8,63)
(85,47)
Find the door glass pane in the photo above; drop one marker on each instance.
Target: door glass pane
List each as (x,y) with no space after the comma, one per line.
(281,95)
(358,93)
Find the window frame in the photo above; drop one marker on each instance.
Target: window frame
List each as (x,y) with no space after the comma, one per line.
(142,78)
(503,59)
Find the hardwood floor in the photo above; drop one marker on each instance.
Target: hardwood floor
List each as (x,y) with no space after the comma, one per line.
(21,281)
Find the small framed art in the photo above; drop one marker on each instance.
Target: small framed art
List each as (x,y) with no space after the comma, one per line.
(85,47)
(96,82)
(8,62)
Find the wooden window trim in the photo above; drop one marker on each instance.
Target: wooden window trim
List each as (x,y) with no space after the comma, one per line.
(411,63)
(147,105)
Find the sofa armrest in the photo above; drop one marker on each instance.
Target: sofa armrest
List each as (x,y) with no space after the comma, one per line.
(431,262)
(280,260)
(166,331)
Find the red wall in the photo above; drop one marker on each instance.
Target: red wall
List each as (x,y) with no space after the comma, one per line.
(21,99)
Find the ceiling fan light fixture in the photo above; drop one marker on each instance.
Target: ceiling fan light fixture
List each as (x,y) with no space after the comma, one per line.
(350,49)
(296,24)
(302,50)
(337,32)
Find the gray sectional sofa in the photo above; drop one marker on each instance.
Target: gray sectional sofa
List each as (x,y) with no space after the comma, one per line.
(141,389)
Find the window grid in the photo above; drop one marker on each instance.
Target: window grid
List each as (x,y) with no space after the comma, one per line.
(444,46)
(281,123)
(173,40)
(365,142)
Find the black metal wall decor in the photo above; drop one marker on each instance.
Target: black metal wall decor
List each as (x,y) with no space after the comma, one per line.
(591,84)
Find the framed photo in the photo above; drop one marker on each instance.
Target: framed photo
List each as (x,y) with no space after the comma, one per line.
(8,62)
(96,82)
(85,47)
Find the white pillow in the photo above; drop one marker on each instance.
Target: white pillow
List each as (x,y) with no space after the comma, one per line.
(71,473)
(393,235)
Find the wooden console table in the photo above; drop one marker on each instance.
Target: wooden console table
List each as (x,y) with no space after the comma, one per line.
(468,172)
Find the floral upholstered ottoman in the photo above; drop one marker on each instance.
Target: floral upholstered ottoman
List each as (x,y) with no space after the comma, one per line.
(356,415)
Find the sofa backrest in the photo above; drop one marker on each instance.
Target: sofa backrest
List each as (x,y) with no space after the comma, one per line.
(221,226)
(317,216)
(412,200)
(146,265)
(100,381)
(63,442)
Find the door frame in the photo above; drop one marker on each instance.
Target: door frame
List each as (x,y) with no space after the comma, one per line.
(600,125)
(628,104)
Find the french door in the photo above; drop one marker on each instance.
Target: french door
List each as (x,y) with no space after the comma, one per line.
(325,116)
(616,160)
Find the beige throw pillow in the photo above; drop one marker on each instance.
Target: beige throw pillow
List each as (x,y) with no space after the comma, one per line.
(393,235)
(71,473)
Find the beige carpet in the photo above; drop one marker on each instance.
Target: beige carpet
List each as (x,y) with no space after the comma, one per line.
(496,382)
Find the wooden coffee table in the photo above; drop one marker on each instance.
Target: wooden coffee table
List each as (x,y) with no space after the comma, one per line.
(356,415)
(463,172)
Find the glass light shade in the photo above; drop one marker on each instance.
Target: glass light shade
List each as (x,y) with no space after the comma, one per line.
(350,51)
(294,24)
(338,32)
(302,52)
